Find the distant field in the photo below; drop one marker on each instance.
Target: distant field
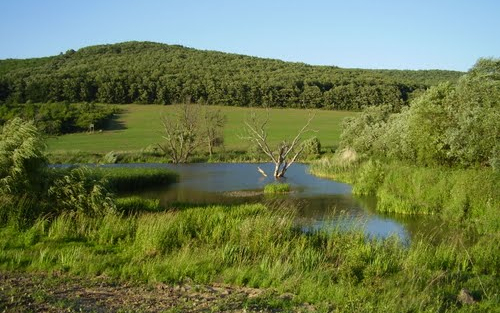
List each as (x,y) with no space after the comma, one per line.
(139,126)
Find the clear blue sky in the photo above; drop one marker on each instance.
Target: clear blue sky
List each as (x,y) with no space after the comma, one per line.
(418,34)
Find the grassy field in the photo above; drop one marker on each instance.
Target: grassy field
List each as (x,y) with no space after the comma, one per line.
(139,126)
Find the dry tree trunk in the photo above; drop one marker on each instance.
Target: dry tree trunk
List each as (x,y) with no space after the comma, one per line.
(286,153)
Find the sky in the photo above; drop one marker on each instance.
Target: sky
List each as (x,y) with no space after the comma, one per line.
(417,34)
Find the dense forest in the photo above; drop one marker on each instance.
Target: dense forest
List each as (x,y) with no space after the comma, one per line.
(145,72)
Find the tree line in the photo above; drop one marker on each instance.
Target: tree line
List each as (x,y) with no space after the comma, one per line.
(61,118)
(145,72)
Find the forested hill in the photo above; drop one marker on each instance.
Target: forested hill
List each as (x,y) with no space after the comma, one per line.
(145,72)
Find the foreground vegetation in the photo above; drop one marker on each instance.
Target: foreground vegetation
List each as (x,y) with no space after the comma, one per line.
(251,245)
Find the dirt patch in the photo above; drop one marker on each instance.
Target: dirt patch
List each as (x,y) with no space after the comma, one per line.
(38,292)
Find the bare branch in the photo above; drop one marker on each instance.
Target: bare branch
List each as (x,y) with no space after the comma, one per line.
(257,133)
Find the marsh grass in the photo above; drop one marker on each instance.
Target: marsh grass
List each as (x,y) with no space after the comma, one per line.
(122,179)
(255,246)
(276,188)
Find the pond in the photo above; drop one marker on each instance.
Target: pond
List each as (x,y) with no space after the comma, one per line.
(319,203)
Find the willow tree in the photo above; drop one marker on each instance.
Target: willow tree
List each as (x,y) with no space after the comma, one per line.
(286,152)
(22,159)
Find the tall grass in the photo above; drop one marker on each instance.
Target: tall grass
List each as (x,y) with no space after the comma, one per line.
(252,245)
(121,179)
(469,195)
(124,179)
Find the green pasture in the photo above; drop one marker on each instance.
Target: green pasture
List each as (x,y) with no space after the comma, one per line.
(139,126)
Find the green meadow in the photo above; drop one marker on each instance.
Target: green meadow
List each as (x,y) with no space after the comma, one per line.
(139,126)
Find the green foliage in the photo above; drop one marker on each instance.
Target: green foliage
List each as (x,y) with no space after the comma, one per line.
(22,162)
(61,118)
(468,197)
(145,72)
(369,178)
(125,179)
(311,147)
(457,125)
(109,158)
(362,132)
(275,188)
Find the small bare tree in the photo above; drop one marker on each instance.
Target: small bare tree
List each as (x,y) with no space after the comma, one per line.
(212,128)
(181,132)
(188,127)
(286,153)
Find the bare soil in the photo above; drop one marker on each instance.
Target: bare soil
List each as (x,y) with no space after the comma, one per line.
(40,292)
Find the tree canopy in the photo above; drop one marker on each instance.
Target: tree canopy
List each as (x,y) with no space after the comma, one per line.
(455,125)
(146,72)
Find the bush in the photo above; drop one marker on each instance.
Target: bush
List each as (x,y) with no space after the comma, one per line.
(311,147)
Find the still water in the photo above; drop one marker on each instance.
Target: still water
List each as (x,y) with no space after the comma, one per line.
(318,203)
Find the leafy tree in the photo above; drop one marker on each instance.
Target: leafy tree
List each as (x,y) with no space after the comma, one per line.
(450,124)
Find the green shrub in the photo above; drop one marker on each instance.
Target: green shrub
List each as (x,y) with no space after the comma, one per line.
(22,159)
(311,147)
(110,158)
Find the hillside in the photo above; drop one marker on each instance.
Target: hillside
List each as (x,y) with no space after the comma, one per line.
(145,72)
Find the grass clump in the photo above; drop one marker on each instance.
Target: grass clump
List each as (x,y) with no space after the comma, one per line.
(135,204)
(275,188)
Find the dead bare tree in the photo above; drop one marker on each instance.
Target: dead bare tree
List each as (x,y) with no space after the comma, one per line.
(213,127)
(181,132)
(286,153)
(189,126)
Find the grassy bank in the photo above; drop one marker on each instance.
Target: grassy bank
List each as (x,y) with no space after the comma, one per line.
(251,245)
(457,195)
(139,128)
